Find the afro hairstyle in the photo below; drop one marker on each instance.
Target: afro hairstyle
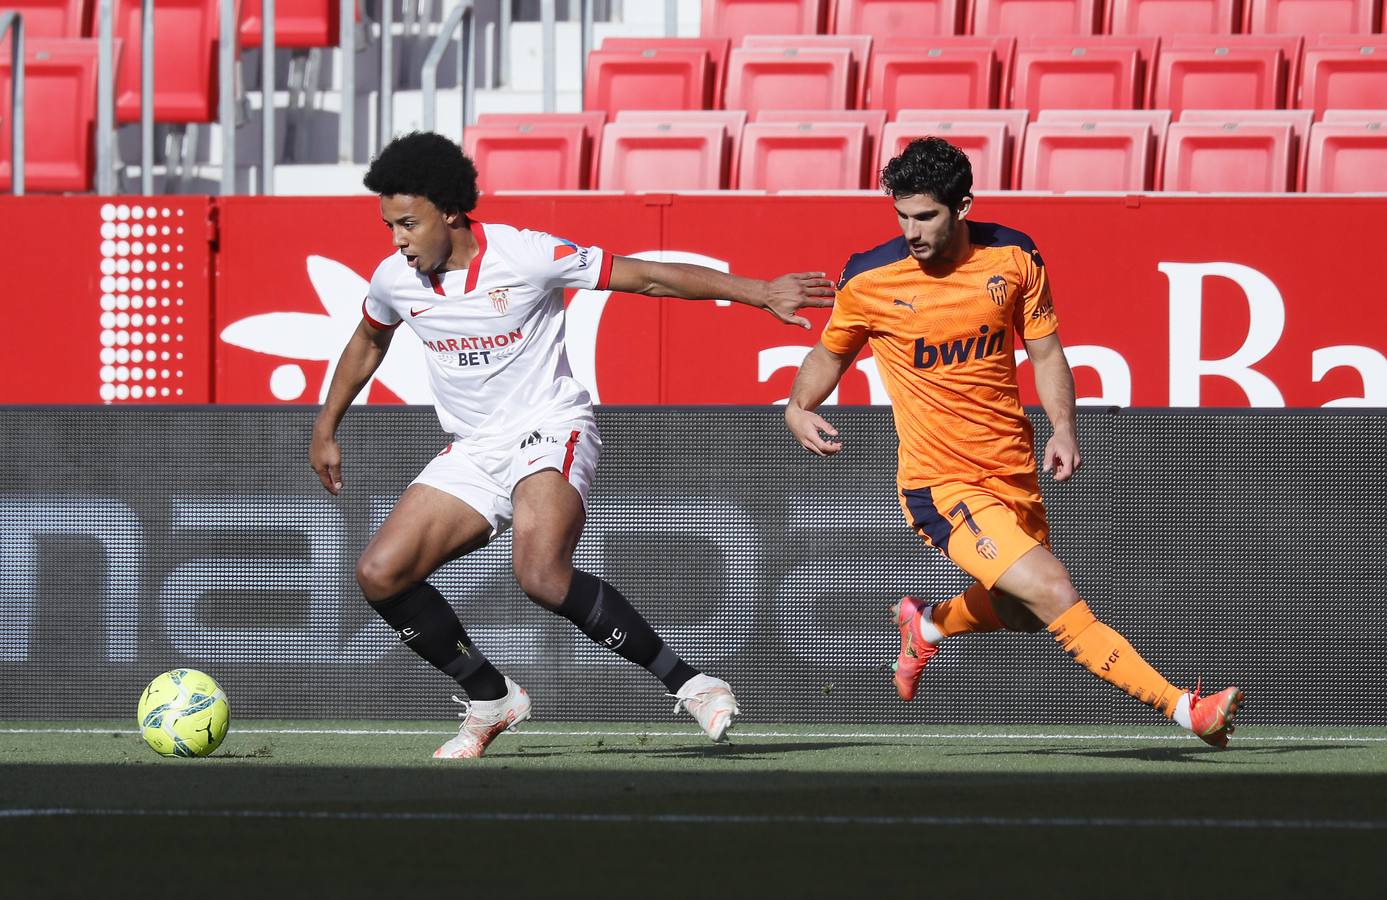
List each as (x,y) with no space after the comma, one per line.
(428,165)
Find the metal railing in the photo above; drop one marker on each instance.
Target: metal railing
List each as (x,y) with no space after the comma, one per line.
(13,23)
(346,118)
(226,103)
(463,14)
(106,98)
(267,96)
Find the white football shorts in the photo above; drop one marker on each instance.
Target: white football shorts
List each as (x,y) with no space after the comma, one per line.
(484,475)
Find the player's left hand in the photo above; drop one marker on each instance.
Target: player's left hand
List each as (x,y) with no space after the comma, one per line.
(786,295)
(1062,456)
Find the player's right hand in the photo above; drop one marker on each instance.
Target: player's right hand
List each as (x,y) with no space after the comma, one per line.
(326,458)
(810,428)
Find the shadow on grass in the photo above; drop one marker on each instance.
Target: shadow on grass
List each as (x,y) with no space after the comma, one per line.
(1197,753)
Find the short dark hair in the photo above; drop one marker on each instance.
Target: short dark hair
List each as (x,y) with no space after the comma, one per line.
(425,164)
(930,166)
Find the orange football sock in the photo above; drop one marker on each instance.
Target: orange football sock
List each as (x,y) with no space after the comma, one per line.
(968,613)
(1108,655)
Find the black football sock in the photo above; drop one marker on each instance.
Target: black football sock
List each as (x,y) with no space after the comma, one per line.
(609,619)
(423,619)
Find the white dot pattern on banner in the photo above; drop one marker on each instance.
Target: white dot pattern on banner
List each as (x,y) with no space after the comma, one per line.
(129,252)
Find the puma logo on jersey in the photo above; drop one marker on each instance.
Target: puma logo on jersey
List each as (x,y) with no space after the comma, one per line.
(910,306)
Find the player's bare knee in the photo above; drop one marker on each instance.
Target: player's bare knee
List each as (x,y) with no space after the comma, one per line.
(1058,595)
(377,578)
(544,582)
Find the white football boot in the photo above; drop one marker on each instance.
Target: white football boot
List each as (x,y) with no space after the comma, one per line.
(710,701)
(482,720)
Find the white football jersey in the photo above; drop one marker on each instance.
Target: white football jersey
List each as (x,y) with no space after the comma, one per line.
(494,332)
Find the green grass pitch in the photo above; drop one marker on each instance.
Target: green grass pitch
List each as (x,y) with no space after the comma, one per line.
(358,809)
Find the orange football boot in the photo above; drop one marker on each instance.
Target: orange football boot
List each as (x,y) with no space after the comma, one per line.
(915,650)
(1211,718)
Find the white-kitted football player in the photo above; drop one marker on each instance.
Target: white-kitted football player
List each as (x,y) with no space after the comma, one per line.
(486,300)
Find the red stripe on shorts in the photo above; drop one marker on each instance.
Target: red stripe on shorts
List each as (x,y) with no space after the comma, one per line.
(568,454)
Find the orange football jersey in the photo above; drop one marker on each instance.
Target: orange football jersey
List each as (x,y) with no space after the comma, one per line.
(944,347)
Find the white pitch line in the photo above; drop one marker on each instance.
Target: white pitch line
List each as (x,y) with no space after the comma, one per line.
(851,735)
(715,819)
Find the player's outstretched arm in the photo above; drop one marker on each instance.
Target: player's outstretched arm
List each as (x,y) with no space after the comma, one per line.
(1054,382)
(360,359)
(818,375)
(782,298)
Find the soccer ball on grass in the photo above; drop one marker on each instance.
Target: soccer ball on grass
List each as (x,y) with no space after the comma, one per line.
(183,713)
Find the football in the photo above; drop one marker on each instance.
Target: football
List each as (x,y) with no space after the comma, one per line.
(183,712)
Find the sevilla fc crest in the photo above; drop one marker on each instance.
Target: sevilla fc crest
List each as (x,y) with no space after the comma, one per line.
(500,299)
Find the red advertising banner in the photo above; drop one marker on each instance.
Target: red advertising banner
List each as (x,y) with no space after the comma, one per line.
(292,274)
(1163,301)
(106,299)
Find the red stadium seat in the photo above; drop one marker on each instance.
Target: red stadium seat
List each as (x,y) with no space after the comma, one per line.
(1290,45)
(736,19)
(934,78)
(1300,121)
(898,18)
(716,48)
(988,146)
(592,122)
(1146,47)
(1003,49)
(817,156)
(1096,78)
(52,18)
(1033,17)
(1344,79)
(1158,120)
(1229,158)
(874,120)
(859,45)
(298,23)
(788,79)
(689,157)
(1067,157)
(733,120)
(59,114)
(1347,157)
(1311,17)
(1219,78)
(185,61)
(651,79)
(1162,17)
(528,157)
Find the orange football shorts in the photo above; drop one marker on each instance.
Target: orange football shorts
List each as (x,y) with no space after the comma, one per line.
(984,527)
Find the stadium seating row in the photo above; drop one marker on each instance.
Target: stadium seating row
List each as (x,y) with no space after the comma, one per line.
(298,23)
(927,18)
(60,67)
(1338,71)
(1063,150)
